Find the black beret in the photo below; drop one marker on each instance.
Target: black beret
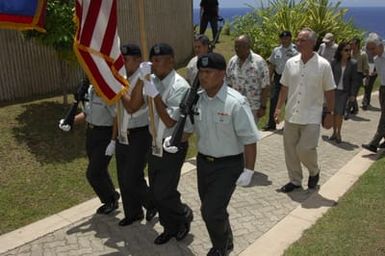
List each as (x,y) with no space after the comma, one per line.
(161,49)
(130,50)
(285,33)
(212,60)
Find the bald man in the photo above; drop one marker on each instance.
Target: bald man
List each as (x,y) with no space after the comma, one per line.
(248,73)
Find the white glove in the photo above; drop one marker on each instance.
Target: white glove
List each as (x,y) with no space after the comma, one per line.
(64,127)
(167,147)
(245,177)
(145,69)
(150,89)
(110,150)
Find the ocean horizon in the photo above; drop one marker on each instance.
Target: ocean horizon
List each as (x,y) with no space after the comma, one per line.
(369,19)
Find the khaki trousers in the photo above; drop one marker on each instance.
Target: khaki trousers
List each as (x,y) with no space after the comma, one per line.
(300,145)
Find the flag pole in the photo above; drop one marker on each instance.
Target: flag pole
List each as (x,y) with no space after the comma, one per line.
(143,41)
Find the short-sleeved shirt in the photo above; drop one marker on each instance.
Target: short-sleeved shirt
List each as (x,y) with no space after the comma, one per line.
(379,62)
(97,111)
(224,123)
(327,52)
(210,7)
(280,55)
(140,117)
(362,62)
(192,70)
(250,78)
(306,84)
(172,88)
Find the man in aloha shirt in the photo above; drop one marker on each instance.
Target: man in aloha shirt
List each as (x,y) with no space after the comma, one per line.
(248,73)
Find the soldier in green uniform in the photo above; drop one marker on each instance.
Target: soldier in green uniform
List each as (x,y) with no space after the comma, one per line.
(166,89)
(99,117)
(226,138)
(133,143)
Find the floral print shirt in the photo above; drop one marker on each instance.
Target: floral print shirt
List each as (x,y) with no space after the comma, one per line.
(249,78)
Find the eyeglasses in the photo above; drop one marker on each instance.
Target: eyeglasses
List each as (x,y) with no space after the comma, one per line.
(347,50)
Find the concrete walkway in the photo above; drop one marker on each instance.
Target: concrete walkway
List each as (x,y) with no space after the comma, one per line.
(264,221)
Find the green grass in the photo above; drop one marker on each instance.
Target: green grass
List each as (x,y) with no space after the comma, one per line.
(356,226)
(42,169)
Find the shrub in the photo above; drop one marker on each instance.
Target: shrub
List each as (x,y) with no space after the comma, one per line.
(265,23)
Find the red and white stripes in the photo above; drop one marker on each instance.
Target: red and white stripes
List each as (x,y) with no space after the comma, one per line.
(97,47)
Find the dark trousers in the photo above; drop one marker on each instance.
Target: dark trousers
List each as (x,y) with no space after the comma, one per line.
(216,184)
(97,170)
(274,94)
(368,90)
(352,106)
(380,133)
(164,174)
(205,19)
(131,160)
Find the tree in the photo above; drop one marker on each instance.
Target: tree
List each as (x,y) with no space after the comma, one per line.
(60,33)
(263,24)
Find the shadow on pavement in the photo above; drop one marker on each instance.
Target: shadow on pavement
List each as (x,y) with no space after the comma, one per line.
(134,240)
(358,119)
(316,200)
(311,199)
(371,108)
(260,179)
(343,145)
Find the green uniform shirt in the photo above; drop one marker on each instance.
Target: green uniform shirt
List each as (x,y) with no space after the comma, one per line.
(171,89)
(97,111)
(224,123)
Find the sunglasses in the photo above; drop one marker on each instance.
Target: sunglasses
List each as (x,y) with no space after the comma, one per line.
(347,50)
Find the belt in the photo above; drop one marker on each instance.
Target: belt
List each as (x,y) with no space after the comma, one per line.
(97,127)
(218,159)
(137,129)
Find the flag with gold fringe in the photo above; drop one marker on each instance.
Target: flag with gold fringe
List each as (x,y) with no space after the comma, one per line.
(97,47)
(23,14)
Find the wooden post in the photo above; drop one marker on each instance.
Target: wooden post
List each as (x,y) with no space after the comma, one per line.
(143,41)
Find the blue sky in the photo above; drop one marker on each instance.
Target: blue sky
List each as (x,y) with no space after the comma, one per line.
(242,3)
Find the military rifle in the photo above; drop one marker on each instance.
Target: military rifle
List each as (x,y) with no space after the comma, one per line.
(79,97)
(191,98)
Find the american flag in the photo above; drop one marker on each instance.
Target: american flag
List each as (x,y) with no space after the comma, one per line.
(97,47)
(23,14)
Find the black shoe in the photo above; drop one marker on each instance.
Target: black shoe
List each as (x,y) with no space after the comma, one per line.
(382,145)
(289,187)
(150,214)
(269,128)
(185,229)
(215,252)
(364,107)
(163,238)
(108,207)
(369,147)
(346,116)
(129,221)
(230,246)
(313,181)
(333,137)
